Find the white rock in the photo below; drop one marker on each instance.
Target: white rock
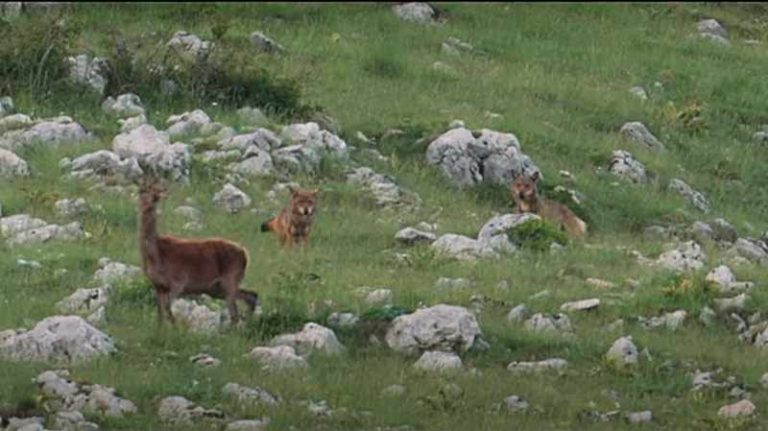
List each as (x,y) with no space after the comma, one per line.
(414,12)
(257,164)
(624,165)
(188,123)
(205,360)
(410,236)
(125,106)
(393,391)
(515,403)
(583,305)
(111,272)
(518,314)
(379,297)
(83,301)
(265,43)
(246,395)
(231,199)
(636,132)
(623,352)
(442,327)
(198,318)
(248,425)
(71,207)
(181,411)
(279,357)
(15,122)
(557,323)
(640,417)
(463,248)
(312,338)
(189,47)
(12,165)
(688,256)
(343,320)
(697,199)
(89,71)
(741,408)
(383,188)
(438,361)
(711,26)
(57,338)
(639,92)
(54,132)
(453,283)
(737,303)
(534,367)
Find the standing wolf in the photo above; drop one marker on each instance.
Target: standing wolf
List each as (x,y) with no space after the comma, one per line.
(526,197)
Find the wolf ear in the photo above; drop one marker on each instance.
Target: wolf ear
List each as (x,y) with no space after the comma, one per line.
(535,176)
(315,191)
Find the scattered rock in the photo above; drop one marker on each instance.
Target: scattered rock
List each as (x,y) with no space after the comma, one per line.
(308,144)
(15,122)
(534,367)
(188,123)
(393,391)
(410,237)
(83,301)
(712,30)
(251,396)
(56,339)
(12,165)
(625,166)
(111,272)
(442,327)
(486,156)
(343,320)
(583,305)
(126,105)
(73,421)
(514,403)
(463,248)
(741,408)
(555,323)
(379,297)
(518,314)
(205,360)
(265,44)
(637,418)
(707,316)
(688,256)
(53,132)
(231,199)
(256,163)
(312,338)
(248,425)
(672,321)
(88,71)
(152,149)
(180,411)
(454,46)
(103,164)
(637,132)
(415,12)
(623,352)
(723,231)
(23,229)
(599,283)
(277,358)
(696,198)
(252,116)
(438,361)
(189,48)
(750,250)
(71,207)
(197,317)
(384,189)
(639,92)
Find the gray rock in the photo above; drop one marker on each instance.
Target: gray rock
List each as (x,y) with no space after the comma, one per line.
(454,46)
(103,163)
(379,297)
(442,327)
(688,256)
(623,352)
(415,12)
(128,124)
(26,424)
(707,316)
(55,132)
(515,403)
(261,138)
(88,71)
(248,425)
(189,47)
(308,144)
(125,106)
(278,358)
(503,224)
(556,323)
(312,338)
(723,231)
(538,366)
(695,198)
(205,360)
(743,408)
(701,232)
(393,391)
(518,314)
(463,248)
(719,40)
(624,165)
(384,189)
(111,272)
(257,164)
(737,303)
(83,301)
(57,339)
(23,229)
(722,276)
(637,132)
(73,421)
(55,385)
(197,317)
(12,165)
(11,122)
(410,236)
(231,199)
(636,418)
(264,43)
(152,148)
(711,26)
(750,250)
(491,157)
(764,380)
(188,123)
(251,396)
(438,361)
(180,411)
(71,207)
(672,321)
(582,305)
(343,320)
(639,92)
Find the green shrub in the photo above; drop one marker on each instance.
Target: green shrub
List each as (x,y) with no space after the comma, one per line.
(537,235)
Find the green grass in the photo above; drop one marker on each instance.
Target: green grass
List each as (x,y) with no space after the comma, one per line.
(559,77)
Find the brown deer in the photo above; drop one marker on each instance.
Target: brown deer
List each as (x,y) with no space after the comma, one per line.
(178,266)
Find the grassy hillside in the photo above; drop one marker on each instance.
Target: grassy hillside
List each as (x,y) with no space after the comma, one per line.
(557,76)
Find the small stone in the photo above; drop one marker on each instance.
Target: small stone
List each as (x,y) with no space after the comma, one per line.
(764,380)
(529,367)
(741,408)
(393,391)
(231,199)
(600,284)
(379,297)
(707,316)
(343,320)
(410,236)
(438,361)
(636,418)
(515,403)
(623,352)
(737,303)
(556,323)
(205,360)
(518,314)
(639,92)
(583,305)
(453,283)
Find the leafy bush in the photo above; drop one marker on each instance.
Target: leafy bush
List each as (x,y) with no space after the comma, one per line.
(537,235)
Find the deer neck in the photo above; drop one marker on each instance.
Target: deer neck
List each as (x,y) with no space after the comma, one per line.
(148,235)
